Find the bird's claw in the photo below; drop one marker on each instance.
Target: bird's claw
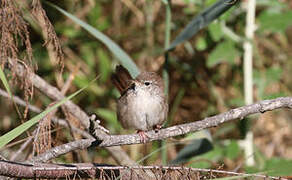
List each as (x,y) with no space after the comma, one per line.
(143,136)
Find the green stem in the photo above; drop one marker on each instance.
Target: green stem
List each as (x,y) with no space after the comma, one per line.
(164,73)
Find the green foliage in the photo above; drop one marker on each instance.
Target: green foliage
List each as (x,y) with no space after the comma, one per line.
(232,150)
(104,65)
(5,82)
(6,138)
(123,57)
(202,20)
(215,31)
(70,32)
(110,117)
(81,81)
(201,44)
(278,167)
(265,79)
(87,51)
(229,150)
(212,156)
(274,167)
(224,52)
(274,21)
(96,19)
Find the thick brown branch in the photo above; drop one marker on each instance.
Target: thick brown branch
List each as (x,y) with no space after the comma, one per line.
(117,140)
(92,170)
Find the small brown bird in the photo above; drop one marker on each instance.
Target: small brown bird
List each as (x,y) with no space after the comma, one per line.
(143,105)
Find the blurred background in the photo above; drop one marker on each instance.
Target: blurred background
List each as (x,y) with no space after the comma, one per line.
(206,77)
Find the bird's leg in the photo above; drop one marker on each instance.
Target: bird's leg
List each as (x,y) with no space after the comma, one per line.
(143,136)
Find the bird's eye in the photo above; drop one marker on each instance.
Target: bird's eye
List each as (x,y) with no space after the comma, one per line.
(147,83)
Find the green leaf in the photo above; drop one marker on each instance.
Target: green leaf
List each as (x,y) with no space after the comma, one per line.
(88,51)
(232,150)
(120,54)
(278,167)
(6,138)
(70,32)
(202,20)
(96,19)
(5,82)
(215,31)
(272,5)
(275,22)
(273,167)
(224,52)
(212,156)
(82,81)
(201,44)
(195,148)
(264,80)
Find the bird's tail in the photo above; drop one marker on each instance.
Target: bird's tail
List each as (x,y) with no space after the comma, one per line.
(121,79)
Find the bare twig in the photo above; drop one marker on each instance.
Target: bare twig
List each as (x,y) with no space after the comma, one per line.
(117,140)
(89,170)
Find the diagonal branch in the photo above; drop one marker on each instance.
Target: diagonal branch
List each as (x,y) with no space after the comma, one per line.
(117,140)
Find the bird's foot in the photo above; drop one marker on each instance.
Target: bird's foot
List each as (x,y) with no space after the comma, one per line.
(157,128)
(143,136)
